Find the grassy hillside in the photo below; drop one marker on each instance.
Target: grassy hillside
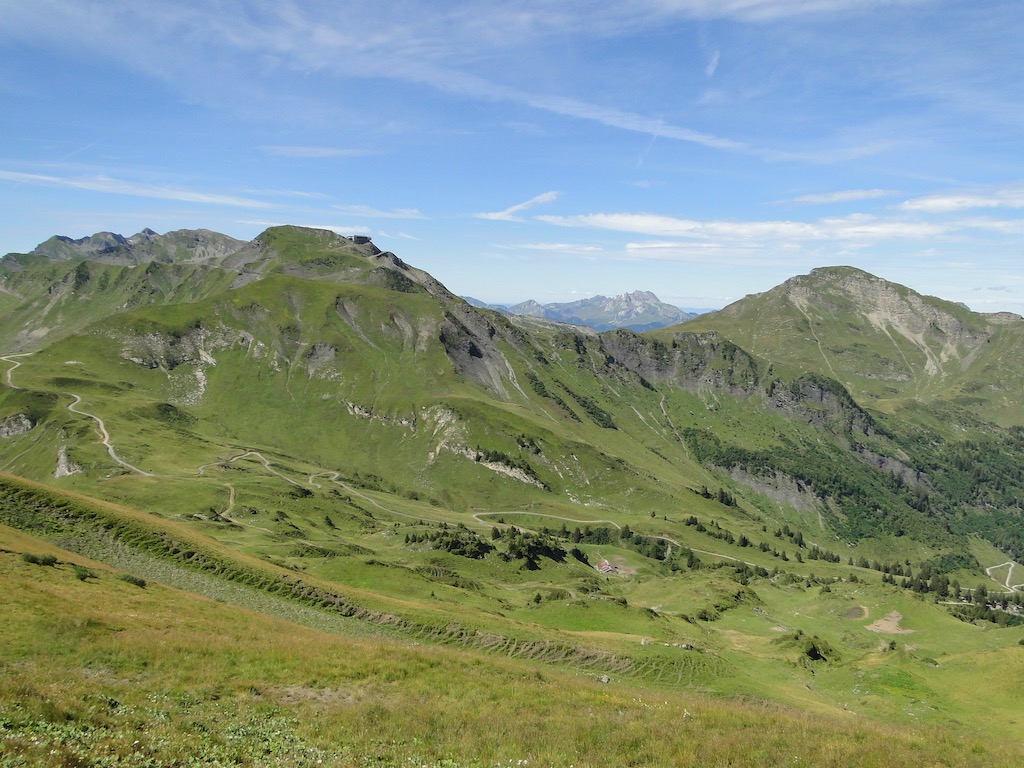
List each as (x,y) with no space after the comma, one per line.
(885,343)
(327,436)
(153,667)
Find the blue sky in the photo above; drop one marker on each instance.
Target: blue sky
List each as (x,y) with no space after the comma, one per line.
(700,149)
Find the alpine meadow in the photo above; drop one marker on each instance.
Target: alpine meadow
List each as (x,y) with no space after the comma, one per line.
(292,502)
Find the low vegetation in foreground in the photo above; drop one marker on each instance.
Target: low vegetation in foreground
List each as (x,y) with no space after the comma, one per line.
(109,671)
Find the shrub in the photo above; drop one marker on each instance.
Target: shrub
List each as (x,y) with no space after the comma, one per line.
(82,573)
(134,580)
(28,557)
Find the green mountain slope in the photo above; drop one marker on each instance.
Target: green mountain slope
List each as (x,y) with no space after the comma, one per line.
(888,345)
(105,668)
(689,507)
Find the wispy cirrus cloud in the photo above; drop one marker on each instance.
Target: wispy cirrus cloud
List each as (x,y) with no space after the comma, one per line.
(568,249)
(176,43)
(131,189)
(399,236)
(951,202)
(510,213)
(579,247)
(844,196)
(767,10)
(370,212)
(854,227)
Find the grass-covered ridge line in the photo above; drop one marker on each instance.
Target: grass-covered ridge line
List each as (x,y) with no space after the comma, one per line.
(45,512)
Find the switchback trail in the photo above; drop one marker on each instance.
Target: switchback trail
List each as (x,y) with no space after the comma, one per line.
(1008,582)
(104,436)
(14,364)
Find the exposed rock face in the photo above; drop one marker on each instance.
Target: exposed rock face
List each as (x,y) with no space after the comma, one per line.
(821,402)
(65,467)
(319,355)
(692,361)
(780,488)
(168,351)
(933,326)
(18,424)
(468,338)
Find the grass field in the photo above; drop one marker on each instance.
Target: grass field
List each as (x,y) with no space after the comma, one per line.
(98,670)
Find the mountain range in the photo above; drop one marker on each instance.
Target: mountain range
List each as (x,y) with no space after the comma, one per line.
(636,311)
(748,503)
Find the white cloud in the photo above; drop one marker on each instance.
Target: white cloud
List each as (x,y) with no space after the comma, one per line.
(398,236)
(575,247)
(846,196)
(210,52)
(131,189)
(712,65)
(950,202)
(638,223)
(582,250)
(855,227)
(376,213)
(509,214)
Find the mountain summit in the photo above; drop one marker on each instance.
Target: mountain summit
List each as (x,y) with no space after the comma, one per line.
(885,342)
(636,311)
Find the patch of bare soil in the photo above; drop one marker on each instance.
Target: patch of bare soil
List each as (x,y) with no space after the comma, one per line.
(889,625)
(620,565)
(294,694)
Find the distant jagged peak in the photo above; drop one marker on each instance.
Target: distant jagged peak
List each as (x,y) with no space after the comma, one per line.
(64,247)
(638,311)
(641,296)
(144,246)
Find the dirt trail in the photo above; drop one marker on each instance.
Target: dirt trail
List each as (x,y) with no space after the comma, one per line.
(14,365)
(1008,581)
(332,476)
(104,436)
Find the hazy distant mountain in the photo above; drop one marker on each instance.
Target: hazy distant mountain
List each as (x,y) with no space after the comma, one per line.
(637,311)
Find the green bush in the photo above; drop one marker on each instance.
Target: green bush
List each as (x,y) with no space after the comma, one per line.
(28,557)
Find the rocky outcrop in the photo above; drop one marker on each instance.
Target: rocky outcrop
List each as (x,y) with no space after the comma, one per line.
(170,349)
(821,402)
(65,467)
(691,361)
(780,488)
(15,425)
(469,341)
